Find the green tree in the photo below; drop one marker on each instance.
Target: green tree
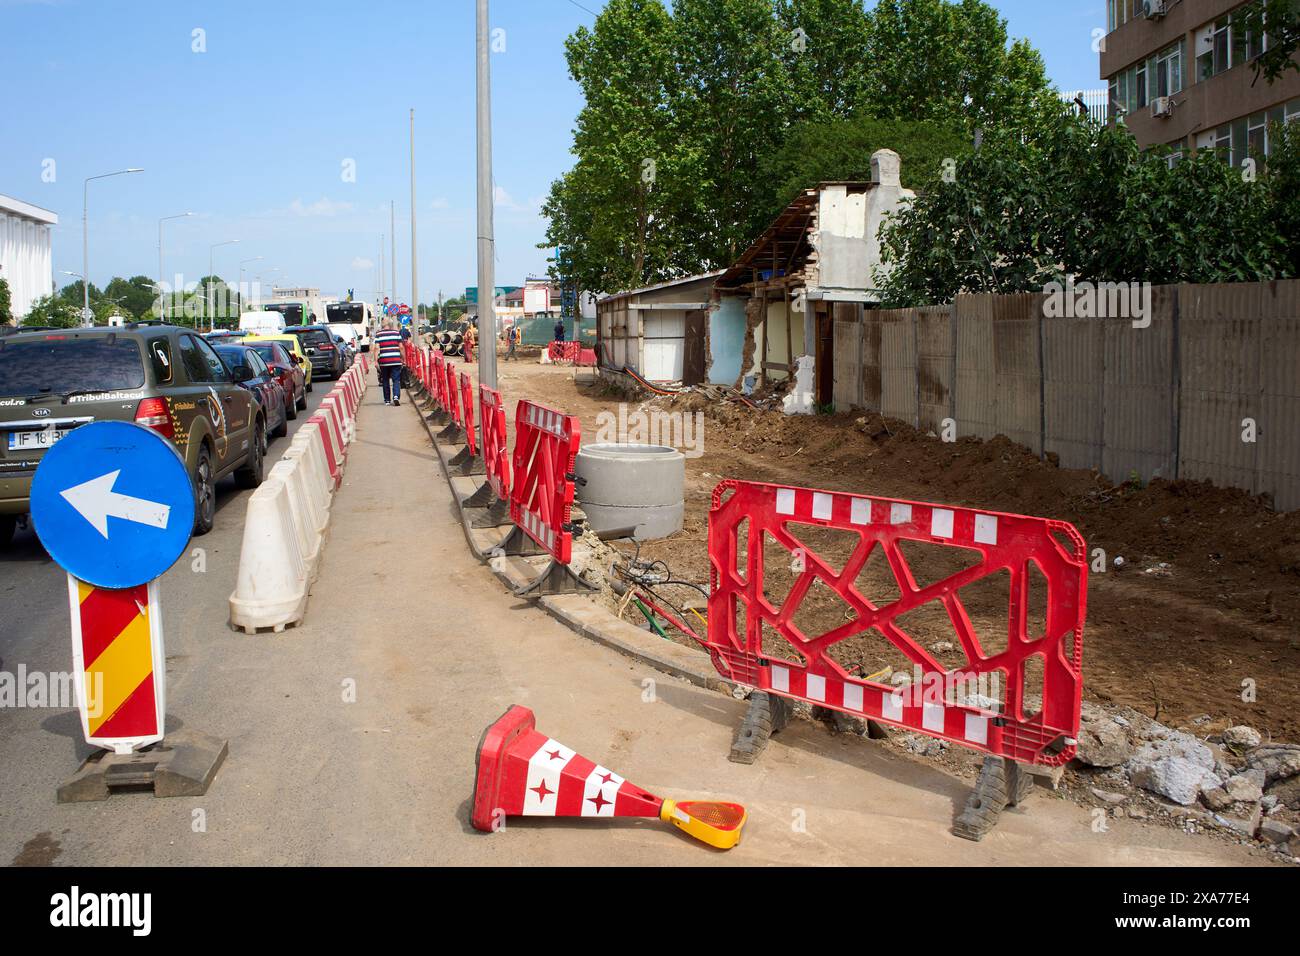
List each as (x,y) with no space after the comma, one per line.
(53,312)
(1076,198)
(1284,189)
(72,294)
(134,296)
(935,59)
(1279,20)
(6,303)
(823,47)
(614,210)
(732,101)
(840,149)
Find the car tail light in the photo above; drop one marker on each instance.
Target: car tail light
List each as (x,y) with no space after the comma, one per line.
(325,348)
(152,413)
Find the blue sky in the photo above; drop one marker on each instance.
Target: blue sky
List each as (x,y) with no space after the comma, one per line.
(252,134)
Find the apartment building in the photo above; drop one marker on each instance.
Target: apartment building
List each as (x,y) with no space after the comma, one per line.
(1181,74)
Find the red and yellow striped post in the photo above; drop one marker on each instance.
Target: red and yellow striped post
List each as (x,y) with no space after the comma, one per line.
(119,664)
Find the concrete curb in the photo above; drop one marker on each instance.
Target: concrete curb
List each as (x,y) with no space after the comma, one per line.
(586,618)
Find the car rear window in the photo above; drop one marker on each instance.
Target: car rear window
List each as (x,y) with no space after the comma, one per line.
(62,364)
(267,352)
(314,337)
(234,357)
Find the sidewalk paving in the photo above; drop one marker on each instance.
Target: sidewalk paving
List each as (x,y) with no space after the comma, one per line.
(437,650)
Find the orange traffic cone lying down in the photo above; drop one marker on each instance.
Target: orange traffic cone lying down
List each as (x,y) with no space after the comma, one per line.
(521,772)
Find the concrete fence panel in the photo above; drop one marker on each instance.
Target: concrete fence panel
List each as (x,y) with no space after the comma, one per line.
(976,397)
(936,369)
(1140,389)
(1221,339)
(898,364)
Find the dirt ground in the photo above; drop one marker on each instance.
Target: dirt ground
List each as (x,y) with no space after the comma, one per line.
(1204,608)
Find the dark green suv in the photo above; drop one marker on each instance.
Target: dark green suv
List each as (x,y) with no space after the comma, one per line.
(164,377)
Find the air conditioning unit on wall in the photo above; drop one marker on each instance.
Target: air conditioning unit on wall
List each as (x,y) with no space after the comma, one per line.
(1154,9)
(1162,106)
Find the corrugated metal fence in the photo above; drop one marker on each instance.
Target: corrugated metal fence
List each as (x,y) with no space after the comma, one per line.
(1218,366)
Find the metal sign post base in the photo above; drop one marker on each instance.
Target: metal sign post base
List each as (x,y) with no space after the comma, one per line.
(182,765)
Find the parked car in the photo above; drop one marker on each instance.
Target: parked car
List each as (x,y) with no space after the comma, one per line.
(164,377)
(248,370)
(349,351)
(295,348)
(286,371)
(324,353)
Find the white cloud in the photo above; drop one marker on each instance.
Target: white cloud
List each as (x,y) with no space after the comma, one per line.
(321,207)
(504,200)
(361,264)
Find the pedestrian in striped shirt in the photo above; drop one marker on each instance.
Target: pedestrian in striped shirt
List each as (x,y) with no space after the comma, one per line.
(388,342)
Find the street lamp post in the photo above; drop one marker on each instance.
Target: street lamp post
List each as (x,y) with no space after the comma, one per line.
(180,215)
(240,291)
(85,238)
(207,297)
(487,324)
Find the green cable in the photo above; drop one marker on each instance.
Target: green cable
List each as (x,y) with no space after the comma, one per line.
(651,618)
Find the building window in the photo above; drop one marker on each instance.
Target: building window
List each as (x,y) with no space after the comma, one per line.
(1168,70)
(1219,55)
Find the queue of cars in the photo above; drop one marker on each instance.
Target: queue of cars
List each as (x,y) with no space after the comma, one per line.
(219,398)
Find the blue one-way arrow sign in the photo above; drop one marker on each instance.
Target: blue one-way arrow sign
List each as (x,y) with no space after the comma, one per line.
(113,504)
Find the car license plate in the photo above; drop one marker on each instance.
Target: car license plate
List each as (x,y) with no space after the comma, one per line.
(35,440)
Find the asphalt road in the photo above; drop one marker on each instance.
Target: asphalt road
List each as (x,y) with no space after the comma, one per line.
(352,737)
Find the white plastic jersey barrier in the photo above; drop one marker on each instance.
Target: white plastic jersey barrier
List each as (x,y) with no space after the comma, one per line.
(284,529)
(337,405)
(271,589)
(305,521)
(316,473)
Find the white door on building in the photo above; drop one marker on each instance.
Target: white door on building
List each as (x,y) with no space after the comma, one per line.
(665,339)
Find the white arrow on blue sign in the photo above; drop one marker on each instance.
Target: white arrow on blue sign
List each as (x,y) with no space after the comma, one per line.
(113,504)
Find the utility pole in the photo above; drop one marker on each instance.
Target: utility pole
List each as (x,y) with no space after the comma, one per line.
(415,280)
(379,279)
(487,324)
(392,240)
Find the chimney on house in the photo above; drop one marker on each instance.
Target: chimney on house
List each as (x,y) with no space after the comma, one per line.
(885,166)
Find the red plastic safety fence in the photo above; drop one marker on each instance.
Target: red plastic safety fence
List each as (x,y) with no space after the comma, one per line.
(496,451)
(1019,692)
(467,412)
(426,367)
(438,380)
(564,351)
(546,444)
(450,391)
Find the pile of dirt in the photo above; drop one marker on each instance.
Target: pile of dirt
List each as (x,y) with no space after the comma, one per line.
(1194,599)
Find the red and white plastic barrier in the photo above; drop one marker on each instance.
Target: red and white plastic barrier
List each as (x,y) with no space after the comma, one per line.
(747,515)
(467,413)
(496,450)
(541,498)
(450,392)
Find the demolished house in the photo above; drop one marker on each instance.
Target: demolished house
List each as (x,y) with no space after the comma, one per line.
(750,324)
(814,264)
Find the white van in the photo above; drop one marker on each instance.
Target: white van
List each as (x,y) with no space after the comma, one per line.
(355,315)
(261,323)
